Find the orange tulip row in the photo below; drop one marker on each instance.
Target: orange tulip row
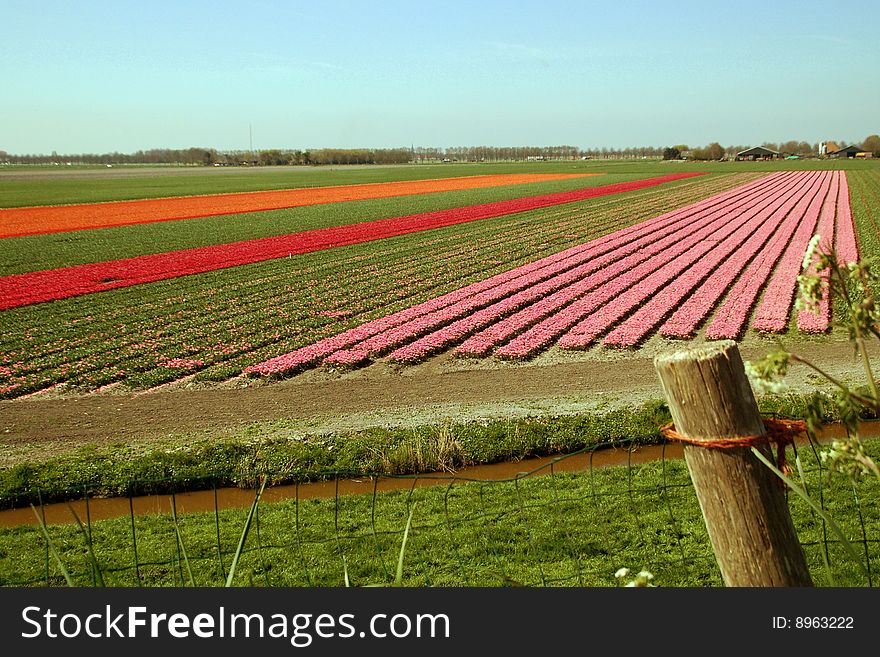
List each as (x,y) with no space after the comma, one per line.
(16,222)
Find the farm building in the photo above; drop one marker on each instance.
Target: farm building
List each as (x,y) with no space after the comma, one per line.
(849,151)
(827,147)
(757,153)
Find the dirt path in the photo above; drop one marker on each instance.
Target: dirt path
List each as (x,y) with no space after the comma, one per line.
(440,389)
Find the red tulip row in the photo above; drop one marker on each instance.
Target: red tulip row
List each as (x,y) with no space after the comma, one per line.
(49,285)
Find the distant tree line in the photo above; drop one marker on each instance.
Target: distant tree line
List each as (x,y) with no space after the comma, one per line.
(196,156)
(189,156)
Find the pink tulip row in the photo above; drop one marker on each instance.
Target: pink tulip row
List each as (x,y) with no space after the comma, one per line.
(483,342)
(700,258)
(775,307)
(834,229)
(731,317)
(452,324)
(471,321)
(847,247)
(819,319)
(675,267)
(422,316)
(311,354)
(683,322)
(556,314)
(723,262)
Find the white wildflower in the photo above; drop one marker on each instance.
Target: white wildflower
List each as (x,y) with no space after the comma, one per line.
(811,249)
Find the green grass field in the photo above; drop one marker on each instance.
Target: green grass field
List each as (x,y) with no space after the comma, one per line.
(26,185)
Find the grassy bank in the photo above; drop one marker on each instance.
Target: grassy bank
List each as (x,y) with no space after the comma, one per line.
(240,459)
(289,455)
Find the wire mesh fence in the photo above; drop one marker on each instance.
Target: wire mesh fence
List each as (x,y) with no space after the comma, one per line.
(566,521)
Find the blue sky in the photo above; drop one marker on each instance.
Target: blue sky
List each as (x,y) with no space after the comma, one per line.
(103,76)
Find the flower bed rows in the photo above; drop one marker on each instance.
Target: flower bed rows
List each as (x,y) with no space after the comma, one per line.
(817,320)
(16,222)
(733,314)
(835,228)
(668,272)
(688,315)
(386,332)
(49,285)
(773,311)
(595,313)
(741,237)
(612,262)
(233,318)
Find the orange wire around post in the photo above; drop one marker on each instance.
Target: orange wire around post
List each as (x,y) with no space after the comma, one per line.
(778,432)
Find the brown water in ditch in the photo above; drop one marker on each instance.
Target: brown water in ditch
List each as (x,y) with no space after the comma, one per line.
(232,498)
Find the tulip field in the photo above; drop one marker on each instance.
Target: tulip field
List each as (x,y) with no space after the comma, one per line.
(15,222)
(490,268)
(624,284)
(53,284)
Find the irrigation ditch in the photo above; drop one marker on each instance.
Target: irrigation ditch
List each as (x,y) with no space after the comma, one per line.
(195,501)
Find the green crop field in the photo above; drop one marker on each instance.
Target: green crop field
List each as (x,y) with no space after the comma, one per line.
(26,185)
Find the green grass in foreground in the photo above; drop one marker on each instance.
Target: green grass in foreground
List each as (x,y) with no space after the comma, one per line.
(564,529)
(557,530)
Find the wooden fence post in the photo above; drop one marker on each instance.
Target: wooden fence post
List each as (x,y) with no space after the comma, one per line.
(742,501)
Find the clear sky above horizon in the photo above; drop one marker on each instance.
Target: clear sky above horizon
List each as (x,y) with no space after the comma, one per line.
(100,76)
